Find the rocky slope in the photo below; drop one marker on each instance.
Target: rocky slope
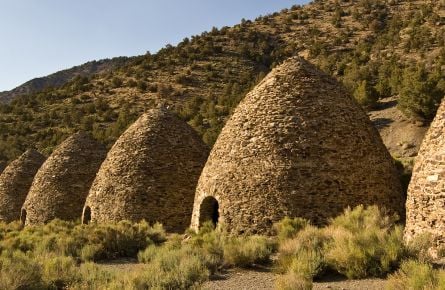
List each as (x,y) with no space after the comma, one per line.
(62,77)
(378,49)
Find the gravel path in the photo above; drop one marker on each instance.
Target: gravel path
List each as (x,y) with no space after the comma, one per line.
(256,279)
(263,279)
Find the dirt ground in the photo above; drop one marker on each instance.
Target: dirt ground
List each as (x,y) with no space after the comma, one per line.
(256,279)
(262,279)
(401,136)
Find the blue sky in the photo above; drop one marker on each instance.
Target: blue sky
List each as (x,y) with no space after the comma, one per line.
(39,37)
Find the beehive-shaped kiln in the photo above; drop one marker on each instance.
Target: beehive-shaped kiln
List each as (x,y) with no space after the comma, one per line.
(61,185)
(425,205)
(150,173)
(15,182)
(298,145)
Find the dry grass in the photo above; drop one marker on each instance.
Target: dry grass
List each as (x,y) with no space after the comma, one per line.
(416,276)
(362,242)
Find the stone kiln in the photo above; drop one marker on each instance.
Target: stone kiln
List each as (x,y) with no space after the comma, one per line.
(61,185)
(425,206)
(298,145)
(15,182)
(150,173)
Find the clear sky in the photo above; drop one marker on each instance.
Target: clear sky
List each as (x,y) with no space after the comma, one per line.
(39,37)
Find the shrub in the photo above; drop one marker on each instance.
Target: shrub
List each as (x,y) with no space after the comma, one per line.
(366,95)
(95,278)
(210,244)
(292,281)
(59,272)
(289,227)
(247,251)
(19,271)
(416,275)
(419,247)
(361,218)
(365,243)
(421,93)
(116,82)
(88,242)
(170,267)
(304,254)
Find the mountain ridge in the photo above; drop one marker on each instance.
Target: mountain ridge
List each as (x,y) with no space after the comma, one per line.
(61,77)
(377,49)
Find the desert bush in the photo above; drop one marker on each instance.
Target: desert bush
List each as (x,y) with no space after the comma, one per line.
(19,271)
(418,247)
(210,244)
(365,243)
(366,95)
(362,217)
(87,242)
(421,92)
(247,251)
(289,227)
(304,254)
(416,276)
(214,248)
(170,267)
(94,277)
(59,272)
(292,281)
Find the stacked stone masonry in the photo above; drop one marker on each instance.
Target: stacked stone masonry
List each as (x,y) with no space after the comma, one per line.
(15,182)
(297,145)
(425,206)
(150,173)
(60,187)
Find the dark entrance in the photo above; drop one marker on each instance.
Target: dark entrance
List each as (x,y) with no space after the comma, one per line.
(23,216)
(86,215)
(209,211)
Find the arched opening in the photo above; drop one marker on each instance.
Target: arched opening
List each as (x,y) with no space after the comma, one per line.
(23,216)
(209,211)
(86,218)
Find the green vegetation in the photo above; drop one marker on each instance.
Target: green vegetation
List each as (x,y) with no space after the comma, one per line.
(421,93)
(376,48)
(365,243)
(82,242)
(58,255)
(417,276)
(361,243)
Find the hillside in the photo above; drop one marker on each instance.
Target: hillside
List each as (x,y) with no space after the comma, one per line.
(378,49)
(62,77)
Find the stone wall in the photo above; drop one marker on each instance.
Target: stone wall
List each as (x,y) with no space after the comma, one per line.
(297,145)
(15,182)
(425,206)
(61,185)
(150,173)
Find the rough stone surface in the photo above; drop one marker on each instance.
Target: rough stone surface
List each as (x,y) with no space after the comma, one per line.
(425,205)
(15,182)
(297,145)
(61,185)
(150,173)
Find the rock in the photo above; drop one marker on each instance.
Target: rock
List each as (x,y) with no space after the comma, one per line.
(419,123)
(61,185)
(150,173)
(425,211)
(321,155)
(15,182)
(406,146)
